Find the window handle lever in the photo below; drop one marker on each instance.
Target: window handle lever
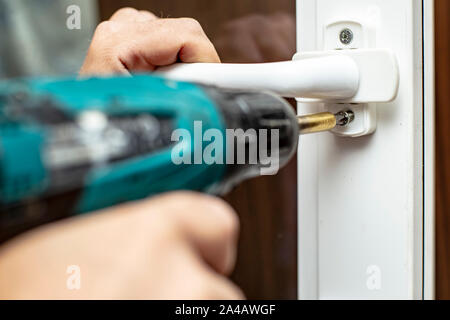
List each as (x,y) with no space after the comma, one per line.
(347,76)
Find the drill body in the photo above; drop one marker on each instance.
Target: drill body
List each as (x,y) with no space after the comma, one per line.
(71,146)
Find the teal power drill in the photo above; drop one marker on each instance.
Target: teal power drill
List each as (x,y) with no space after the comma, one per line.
(72,146)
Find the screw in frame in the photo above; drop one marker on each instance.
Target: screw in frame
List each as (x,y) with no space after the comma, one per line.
(346,36)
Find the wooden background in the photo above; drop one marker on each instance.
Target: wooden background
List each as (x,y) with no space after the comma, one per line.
(267,265)
(443,149)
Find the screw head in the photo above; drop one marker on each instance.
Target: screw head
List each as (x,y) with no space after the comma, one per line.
(344,118)
(346,36)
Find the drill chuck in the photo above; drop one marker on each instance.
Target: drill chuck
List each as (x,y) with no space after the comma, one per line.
(270,133)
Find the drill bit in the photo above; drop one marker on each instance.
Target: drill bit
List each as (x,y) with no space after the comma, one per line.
(325,121)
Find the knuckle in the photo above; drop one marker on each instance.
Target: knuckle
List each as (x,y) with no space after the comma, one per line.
(126,11)
(159,225)
(230,226)
(225,215)
(105,27)
(101,48)
(151,215)
(147,13)
(192,25)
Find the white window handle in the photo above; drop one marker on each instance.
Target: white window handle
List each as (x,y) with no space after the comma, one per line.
(356,76)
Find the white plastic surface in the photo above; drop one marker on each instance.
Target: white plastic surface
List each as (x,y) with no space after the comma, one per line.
(364,36)
(361,201)
(354,76)
(332,77)
(378,73)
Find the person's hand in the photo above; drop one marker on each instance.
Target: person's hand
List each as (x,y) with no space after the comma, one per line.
(137,41)
(257,38)
(176,246)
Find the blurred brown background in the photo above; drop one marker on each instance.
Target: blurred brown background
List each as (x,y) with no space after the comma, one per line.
(267,263)
(442,149)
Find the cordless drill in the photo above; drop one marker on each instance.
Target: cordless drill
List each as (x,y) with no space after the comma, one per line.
(73,146)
